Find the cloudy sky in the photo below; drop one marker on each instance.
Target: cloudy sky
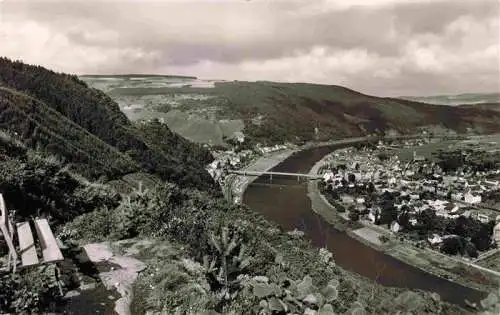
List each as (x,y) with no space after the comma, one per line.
(381,47)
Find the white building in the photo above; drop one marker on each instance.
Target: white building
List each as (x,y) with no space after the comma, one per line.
(395,227)
(435,240)
(470,198)
(328,176)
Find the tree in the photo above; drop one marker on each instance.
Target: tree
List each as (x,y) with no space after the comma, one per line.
(351,178)
(427,220)
(482,237)
(344,182)
(353,215)
(471,250)
(452,246)
(404,220)
(383,156)
(389,213)
(335,194)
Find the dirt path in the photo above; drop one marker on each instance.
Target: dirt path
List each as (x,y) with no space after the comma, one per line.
(120,278)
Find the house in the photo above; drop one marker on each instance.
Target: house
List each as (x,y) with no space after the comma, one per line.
(435,240)
(442,192)
(346,199)
(451,207)
(437,204)
(418,158)
(428,187)
(373,216)
(360,200)
(395,227)
(493,185)
(409,173)
(414,196)
(470,198)
(457,196)
(483,218)
(328,176)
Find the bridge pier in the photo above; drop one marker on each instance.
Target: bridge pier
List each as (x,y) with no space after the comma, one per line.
(270,177)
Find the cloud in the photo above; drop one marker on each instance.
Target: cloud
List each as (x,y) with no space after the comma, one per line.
(383,47)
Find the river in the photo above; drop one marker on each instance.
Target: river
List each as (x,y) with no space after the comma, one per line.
(285,202)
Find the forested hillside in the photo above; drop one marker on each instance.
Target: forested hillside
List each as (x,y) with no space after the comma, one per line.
(59,113)
(277,112)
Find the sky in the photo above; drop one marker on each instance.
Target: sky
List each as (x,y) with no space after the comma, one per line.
(379,47)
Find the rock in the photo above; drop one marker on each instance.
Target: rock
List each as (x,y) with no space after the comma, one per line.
(121,278)
(71,294)
(261,279)
(88,286)
(309,311)
(98,252)
(311,299)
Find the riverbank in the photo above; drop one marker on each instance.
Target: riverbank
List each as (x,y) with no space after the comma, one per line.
(438,264)
(236,185)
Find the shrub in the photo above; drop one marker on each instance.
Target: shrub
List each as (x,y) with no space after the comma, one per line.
(33,290)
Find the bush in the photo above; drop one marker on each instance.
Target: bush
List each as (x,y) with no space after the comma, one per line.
(32,290)
(354,215)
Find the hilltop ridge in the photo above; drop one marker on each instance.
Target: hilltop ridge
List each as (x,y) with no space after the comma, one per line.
(274,112)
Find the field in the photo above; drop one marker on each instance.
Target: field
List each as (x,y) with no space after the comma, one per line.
(271,112)
(488,143)
(187,105)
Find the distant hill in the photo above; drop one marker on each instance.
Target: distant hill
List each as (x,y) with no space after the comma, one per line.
(276,112)
(60,114)
(133,75)
(458,99)
(483,106)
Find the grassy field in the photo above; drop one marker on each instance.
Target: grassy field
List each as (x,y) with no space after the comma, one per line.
(481,143)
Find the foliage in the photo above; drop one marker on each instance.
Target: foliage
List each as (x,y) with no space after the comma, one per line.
(491,304)
(354,215)
(291,296)
(228,261)
(33,184)
(59,114)
(172,288)
(33,290)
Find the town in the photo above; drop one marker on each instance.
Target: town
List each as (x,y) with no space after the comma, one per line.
(445,201)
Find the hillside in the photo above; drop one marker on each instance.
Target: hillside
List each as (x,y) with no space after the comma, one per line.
(59,113)
(277,112)
(459,99)
(63,146)
(483,106)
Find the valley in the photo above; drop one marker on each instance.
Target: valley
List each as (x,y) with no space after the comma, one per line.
(102,180)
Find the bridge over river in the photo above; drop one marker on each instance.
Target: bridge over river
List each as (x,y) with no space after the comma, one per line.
(281,174)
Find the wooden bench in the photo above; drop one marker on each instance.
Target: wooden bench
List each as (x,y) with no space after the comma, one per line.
(27,243)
